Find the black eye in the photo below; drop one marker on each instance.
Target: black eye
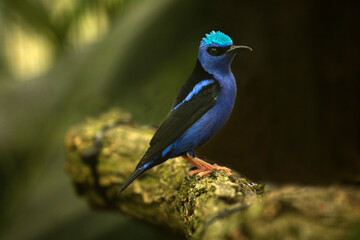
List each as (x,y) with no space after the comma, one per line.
(213,51)
(217,51)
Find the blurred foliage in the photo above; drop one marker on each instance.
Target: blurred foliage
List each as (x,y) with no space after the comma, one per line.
(37,32)
(35,114)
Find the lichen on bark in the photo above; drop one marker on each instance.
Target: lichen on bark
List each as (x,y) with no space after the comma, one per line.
(216,206)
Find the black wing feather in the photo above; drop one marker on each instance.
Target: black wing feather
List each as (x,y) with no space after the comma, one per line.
(196,76)
(180,119)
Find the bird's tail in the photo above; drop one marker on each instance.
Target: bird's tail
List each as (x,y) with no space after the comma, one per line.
(133,176)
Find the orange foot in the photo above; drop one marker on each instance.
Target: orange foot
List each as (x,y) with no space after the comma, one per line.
(203,167)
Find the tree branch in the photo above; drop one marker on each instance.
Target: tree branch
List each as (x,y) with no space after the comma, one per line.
(102,153)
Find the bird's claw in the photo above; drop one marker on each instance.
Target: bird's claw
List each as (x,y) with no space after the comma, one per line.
(227,170)
(204,171)
(199,170)
(203,167)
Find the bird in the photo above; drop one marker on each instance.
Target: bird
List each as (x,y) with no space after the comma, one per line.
(201,108)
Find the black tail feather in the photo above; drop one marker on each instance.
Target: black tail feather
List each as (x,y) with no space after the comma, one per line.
(133,176)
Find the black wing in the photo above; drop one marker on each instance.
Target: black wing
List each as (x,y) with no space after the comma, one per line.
(196,76)
(180,119)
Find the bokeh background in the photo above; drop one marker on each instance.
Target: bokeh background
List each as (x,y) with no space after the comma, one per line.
(296,118)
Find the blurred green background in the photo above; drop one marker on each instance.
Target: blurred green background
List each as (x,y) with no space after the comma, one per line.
(296,117)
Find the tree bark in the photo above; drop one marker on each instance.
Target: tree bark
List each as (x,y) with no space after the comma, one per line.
(103,152)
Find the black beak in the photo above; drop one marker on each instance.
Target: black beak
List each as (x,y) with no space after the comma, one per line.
(234,49)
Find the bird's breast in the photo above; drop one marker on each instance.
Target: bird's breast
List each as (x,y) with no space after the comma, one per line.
(227,94)
(225,100)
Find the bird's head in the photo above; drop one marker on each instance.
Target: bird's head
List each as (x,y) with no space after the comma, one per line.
(217,51)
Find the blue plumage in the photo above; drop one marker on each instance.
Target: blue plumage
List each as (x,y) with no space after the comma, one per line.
(201,108)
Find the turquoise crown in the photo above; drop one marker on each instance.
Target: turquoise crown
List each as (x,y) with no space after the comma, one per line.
(216,38)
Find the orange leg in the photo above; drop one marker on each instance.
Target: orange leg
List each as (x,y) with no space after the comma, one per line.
(203,167)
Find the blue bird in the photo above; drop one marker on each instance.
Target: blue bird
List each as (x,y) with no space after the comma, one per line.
(201,108)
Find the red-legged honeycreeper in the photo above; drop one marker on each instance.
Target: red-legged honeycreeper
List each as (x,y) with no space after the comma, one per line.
(201,108)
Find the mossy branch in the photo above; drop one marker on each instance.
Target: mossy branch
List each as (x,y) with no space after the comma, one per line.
(216,206)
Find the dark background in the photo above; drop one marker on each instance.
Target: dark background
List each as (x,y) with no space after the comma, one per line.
(296,117)
(297,113)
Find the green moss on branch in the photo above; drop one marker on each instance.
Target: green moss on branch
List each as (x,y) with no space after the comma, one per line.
(216,206)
